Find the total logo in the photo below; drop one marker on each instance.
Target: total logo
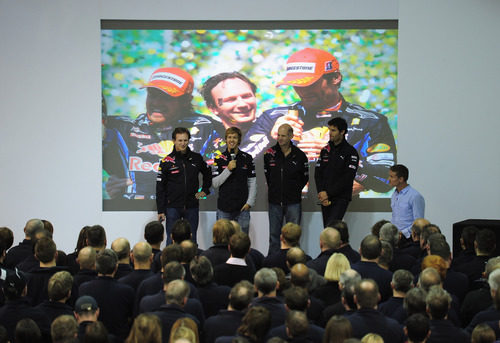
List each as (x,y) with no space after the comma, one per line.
(136,164)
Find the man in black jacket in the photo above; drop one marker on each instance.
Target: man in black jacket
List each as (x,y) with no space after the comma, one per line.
(177,184)
(287,172)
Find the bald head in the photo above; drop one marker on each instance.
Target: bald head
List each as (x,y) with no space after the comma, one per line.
(86,258)
(32,227)
(142,255)
(329,239)
(429,277)
(299,274)
(295,255)
(121,247)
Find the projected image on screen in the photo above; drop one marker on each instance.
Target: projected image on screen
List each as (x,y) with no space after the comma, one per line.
(230,77)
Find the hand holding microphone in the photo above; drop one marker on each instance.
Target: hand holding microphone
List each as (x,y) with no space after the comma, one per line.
(232,164)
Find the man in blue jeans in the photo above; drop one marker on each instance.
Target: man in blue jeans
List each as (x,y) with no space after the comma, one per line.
(287,172)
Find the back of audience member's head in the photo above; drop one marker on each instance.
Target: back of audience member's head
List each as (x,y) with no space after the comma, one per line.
(27,331)
(222,230)
(142,252)
(265,280)
(45,250)
(348,292)
(201,270)
(181,231)
(485,242)
(439,247)
(6,237)
(367,294)
(189,250)
(171,253)
(146,328)
(291,233)
(59,286)
(239,245)
(177,292)
(241,295)
(438,302)
(350,275)
(106,262)
(375,229)
(429,277)
(417,328)
(274,339)
(370,247)
(64,329)
(184,328)
(47,225)
(372,338)
(467,237)
(390,234)
(173,271)
(96,237)
(255,323)
(342,228)
(87,257)
(336,265)
(402,280)
(295,255)
(283,282)
(492,264)
(121,246)
(299,275)
(494,280)
(14,285)
(82,239)
(153,232)
(414,301)
(496,299)
(86,308)
(386,254)
(296,323)
(330,238)
(337,330)
(96,332)
(297,298)
(436,262)
(428,230)
(483,333)
(32,227)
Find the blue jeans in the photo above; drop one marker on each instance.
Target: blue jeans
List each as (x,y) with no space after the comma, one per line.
(289,213)
(190,214)
(243,218)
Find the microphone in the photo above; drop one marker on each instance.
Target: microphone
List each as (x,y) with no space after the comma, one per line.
(233,155)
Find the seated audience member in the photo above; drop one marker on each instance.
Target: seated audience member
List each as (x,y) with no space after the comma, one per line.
(46,254)
(236,268)
(367,319)
(96,332)
(297,299)
(375,230)
(442,330)
(188,249)
(59,291)
(400,260)
(254,326)
(154,235)
(184,330)
(417,328)
(64,329)
(484,246)
(329,242)
(337,330)
(330,292)
(212,296)
(254,257)
(27,331)
(72,258)
(176,296)
(345,248)
(368,268)
(121,247)
(385,258)
(297,255)
(480,299)
(146,328)
(266,283)
(492,313)
(142,257)
(372,338)
(116,300)
(299,277)
(402,282)
(32,262)
(6,237)
(24,249)
(96,238)
(412,246)
(218,253)
(347,282)
(86,261)
(17,305)
(86,312)
(483,333)
(181,231)
(226,322)
(467,252)
(414,302)
(297,326)
(289,238)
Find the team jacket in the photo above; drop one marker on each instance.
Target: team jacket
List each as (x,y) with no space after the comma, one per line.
(285,176)
(177,180)
(336,169)
(147,144)
(234,190)
(368,132)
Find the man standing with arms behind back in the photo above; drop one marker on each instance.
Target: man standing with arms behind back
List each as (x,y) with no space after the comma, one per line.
(177,184)
(335,172)
(287,172)
(407,203)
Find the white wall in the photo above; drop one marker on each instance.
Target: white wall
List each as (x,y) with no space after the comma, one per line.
(50,94)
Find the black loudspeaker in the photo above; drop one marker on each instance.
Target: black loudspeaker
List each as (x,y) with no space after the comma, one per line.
(491,224)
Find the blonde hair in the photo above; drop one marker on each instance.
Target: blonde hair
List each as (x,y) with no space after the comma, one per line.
(372,338)
(336,265)
(186,329)
(146,329)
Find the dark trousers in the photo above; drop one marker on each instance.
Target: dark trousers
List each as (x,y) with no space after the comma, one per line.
(335,211)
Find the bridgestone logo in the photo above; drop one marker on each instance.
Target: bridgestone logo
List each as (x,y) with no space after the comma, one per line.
(169,77)
(301,68)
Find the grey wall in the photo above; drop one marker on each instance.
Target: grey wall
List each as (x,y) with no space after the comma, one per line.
(50,94)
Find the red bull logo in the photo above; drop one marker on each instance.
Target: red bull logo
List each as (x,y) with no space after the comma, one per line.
(160,149)
(136,164)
